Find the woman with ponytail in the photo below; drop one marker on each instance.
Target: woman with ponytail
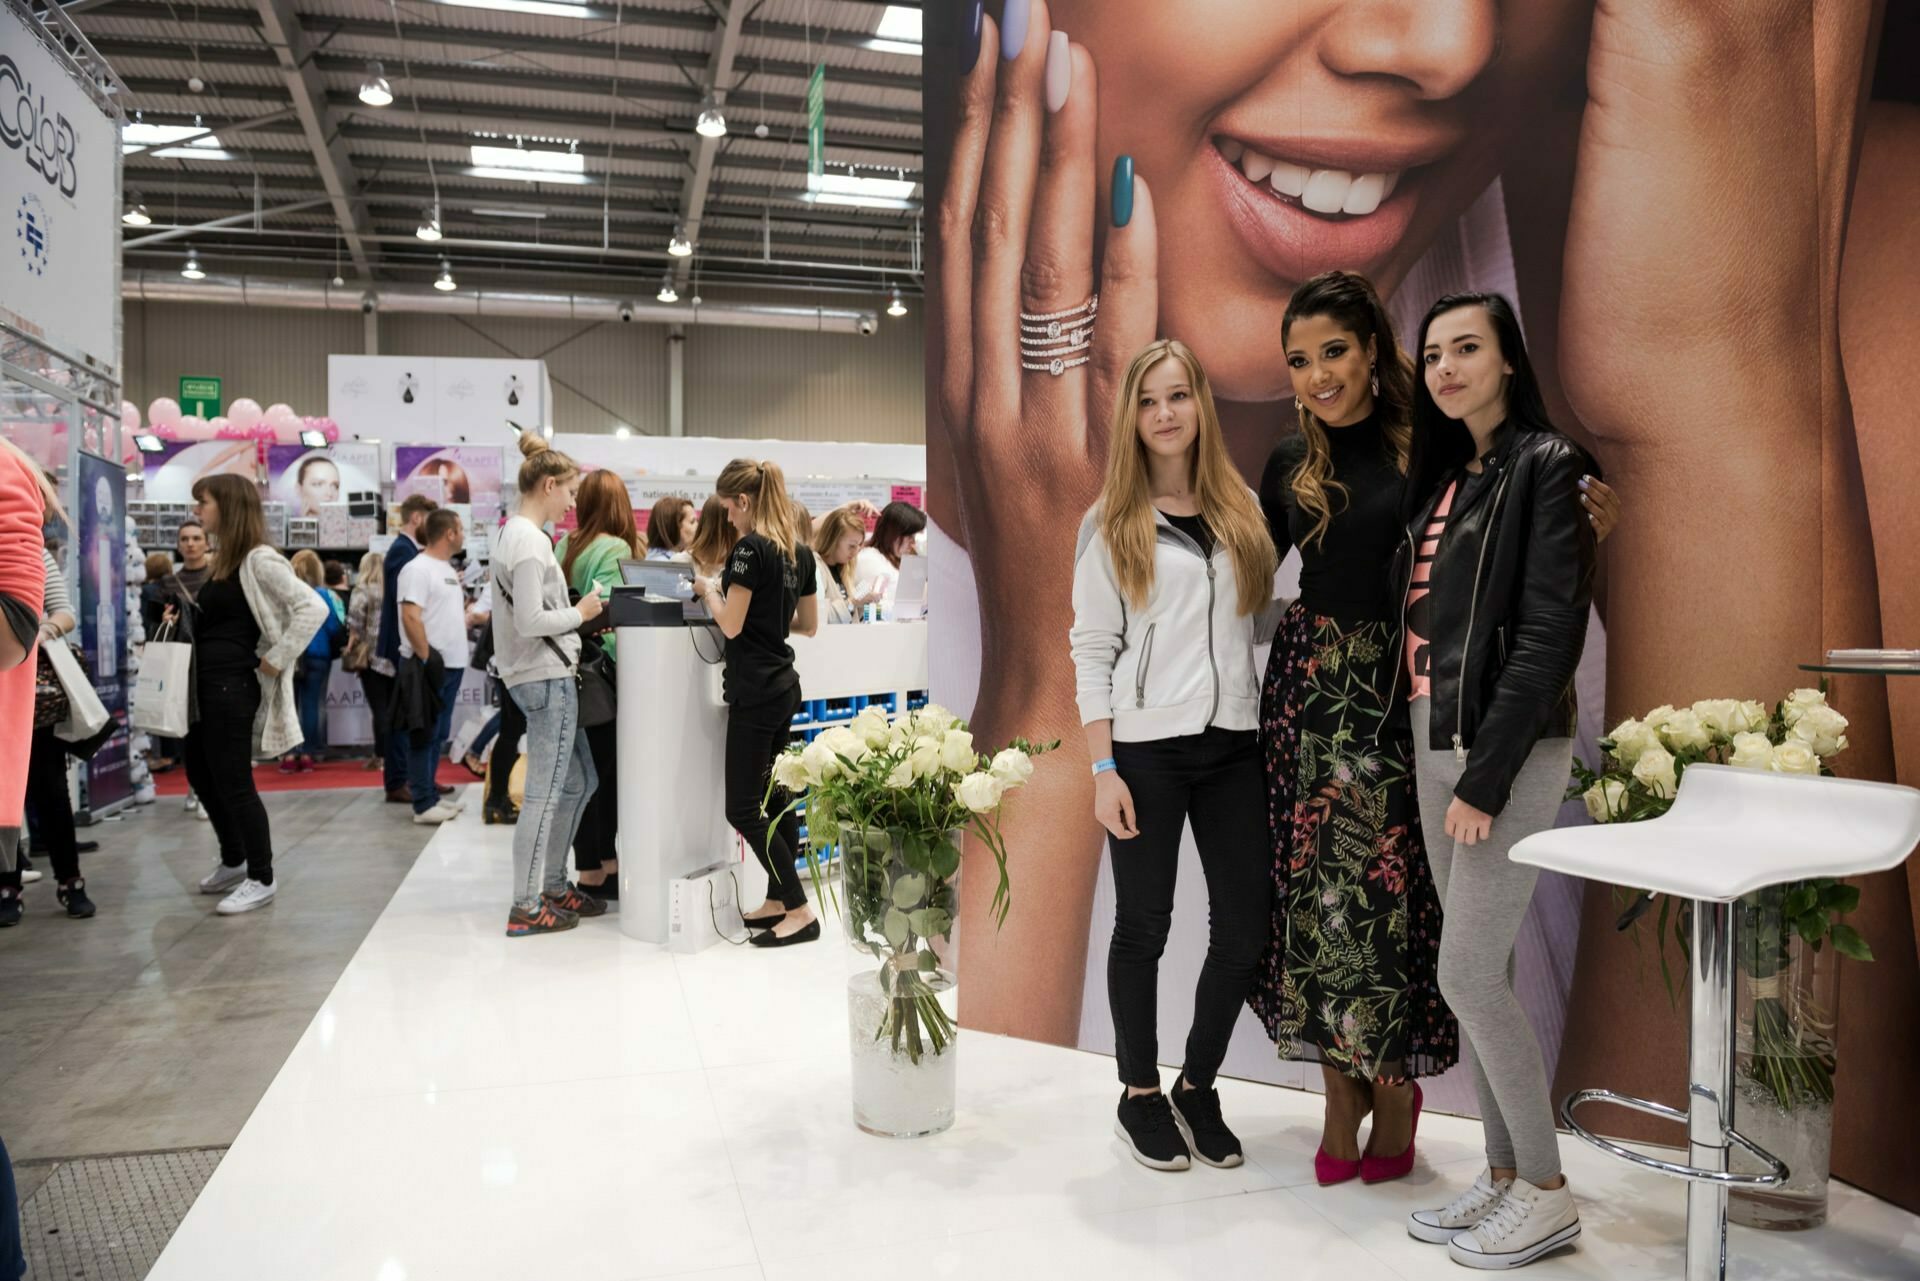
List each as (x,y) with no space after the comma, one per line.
(766,591)
(536,652)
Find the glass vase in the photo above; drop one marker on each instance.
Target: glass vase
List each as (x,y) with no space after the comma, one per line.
(902,1013)
(1784,1038)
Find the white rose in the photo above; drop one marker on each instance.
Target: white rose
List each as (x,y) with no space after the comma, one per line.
(902,777)
(924,757)
(979,792)
(1630,738)
(842,741)
(1683,730)
(956,752)
(1658,716)
(1720,716)
(1823,729)
(871,725)
(1752,718)
(1012,767)
(1655,771)
(1751,751)
(1605,800)
(934,718)
(1798,702)
(1795,756)
(821,764)
(790,772)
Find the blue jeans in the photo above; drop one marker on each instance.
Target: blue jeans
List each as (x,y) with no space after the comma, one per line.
(485,735)
(560,778)
(310,692)
(423,760)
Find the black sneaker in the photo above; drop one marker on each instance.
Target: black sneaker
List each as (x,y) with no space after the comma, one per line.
(1197,1113)
(9,910)
(1147,1126)
(73,897)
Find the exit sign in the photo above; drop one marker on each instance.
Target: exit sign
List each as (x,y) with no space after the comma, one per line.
(200,396)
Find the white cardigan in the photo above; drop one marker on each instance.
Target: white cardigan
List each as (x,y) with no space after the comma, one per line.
(289,613)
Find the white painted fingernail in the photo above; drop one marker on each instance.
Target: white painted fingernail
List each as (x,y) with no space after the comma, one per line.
(1059,70)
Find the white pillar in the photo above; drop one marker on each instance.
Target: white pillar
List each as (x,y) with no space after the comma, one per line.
(676,380)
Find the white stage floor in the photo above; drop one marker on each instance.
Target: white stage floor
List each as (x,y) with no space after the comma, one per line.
(466,1106)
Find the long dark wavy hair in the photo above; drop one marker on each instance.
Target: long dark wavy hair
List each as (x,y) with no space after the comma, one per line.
(1350,301)
(1441,443)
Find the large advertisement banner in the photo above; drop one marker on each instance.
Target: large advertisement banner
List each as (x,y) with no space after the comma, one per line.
(306,479)
(169,472)
(1193,164)
(58,193)
(100,558)
(457,475)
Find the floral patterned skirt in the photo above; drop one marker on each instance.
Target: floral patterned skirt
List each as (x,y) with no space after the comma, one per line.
(1351,974)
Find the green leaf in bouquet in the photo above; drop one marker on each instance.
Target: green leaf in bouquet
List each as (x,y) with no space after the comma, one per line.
(930,922)
(1801,900)
(1811,926)
(944,858)
(913,852)
(896,927)
(927,962)
(1840,898)
(909,890)
(1847,942)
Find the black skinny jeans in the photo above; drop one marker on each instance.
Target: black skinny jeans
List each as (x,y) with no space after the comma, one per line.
(1214,779)
(506,750)
(755,735)
(52,808)
(597,841)
(220,770)
(378,688)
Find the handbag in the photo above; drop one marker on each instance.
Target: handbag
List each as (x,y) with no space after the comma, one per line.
(86,714)
(163,693)
(593,677)
(359,655)
(49,695)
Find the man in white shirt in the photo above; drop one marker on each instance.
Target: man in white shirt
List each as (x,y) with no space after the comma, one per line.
(433,622)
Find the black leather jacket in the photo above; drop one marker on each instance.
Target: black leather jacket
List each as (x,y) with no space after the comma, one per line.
(1510,588)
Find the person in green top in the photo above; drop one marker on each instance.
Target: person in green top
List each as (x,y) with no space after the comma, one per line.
(606,535)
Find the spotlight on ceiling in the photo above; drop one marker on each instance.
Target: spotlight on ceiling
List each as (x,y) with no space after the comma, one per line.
(429,228)
(622,432)
(710,123)
(136,214)
(667,292)
(192,270)
(445,282)
(897,305)
(374,90)
(680,246)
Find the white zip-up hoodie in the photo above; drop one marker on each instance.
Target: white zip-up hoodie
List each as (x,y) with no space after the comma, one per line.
(1176,667)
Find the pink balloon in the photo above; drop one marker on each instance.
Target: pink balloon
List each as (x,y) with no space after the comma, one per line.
(193,427)
(244,412)
(227,431)
(265,432)
(217,422)
(129,415)
(165,431)
(279,412)
(164,412)
(288,432)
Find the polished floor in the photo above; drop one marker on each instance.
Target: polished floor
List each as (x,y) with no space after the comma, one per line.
(586,1107)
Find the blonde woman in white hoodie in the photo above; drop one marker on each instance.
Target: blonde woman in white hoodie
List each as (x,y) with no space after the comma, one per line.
(1172,567)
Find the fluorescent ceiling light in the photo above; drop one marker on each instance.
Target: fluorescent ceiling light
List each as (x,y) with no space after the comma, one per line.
(545,8)
(140,134)
(527,158)
(528,175)
(509,213)
(195,152)
(898,32)
(858,192)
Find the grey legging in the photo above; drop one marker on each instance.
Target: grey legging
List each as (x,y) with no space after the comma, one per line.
(1484,897)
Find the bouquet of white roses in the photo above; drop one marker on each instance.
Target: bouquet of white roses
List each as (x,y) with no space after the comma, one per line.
(896,794)
(1638,779)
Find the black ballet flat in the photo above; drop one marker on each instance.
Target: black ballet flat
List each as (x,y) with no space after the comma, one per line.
(807,933)
(762,922)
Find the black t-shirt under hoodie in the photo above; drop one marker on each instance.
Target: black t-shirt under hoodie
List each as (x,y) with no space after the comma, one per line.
(759,660)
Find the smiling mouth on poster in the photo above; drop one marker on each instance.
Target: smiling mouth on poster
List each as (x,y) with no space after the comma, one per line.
(60,399)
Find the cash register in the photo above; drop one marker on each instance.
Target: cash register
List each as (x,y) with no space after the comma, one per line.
(656,593)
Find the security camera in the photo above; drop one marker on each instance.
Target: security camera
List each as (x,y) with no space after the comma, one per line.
(866,324)
(367,303)
(626,313)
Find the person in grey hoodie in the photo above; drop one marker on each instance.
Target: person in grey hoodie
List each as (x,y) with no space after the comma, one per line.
(536,652)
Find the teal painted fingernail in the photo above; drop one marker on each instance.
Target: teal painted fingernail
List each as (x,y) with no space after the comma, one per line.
(1122,190)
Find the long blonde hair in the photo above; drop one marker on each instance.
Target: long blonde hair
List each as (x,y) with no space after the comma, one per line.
(766,484)
(1350,301)
(542,461)
(834,526)
(306,564)
(372,571)
(1126,509)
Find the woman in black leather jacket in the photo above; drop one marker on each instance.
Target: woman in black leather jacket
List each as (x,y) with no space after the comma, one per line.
(1497,572)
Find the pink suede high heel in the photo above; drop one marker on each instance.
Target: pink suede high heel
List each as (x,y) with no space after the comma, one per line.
(1330,1171)
(1380,1169)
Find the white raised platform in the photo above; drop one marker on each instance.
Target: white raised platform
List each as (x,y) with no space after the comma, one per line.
(589,1107)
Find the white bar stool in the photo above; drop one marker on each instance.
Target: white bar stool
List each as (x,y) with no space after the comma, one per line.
(1730,832)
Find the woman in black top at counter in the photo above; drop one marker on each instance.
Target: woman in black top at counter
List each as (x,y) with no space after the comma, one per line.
(766,590)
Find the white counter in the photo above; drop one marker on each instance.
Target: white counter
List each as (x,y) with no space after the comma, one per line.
(673,732)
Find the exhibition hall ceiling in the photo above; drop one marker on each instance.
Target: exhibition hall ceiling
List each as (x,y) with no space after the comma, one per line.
(538,140)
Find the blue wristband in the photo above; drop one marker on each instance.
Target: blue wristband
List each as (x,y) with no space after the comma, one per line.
(1105,766)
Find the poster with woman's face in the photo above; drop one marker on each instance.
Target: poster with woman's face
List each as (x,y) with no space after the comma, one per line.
(1721,315)
(170,472)
(305,479)
(454,474)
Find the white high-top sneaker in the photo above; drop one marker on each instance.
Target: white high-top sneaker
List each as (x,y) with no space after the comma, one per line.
(222,878)
(1437,1227)
(1527,1223)
(251,894)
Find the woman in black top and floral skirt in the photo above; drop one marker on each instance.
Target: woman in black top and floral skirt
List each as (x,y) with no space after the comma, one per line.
(766,591)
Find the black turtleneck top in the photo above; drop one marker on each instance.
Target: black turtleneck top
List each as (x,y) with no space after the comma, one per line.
(1344,573)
